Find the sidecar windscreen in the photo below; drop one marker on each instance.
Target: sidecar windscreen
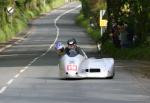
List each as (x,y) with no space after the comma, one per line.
(72,53)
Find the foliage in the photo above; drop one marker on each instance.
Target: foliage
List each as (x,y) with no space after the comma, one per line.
(91,8)
(134,13)
(141,52)
(24,11)
(2,35)
(93,33)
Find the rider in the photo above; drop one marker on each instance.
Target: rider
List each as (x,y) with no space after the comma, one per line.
(72,45)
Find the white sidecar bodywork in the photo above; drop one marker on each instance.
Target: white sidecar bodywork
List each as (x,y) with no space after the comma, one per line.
(69,66)
(97,68)
(82,67)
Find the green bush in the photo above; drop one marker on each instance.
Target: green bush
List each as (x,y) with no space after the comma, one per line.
(57,3)
(46,8)
(92,32)
(9,32)
(30,14)
(79,18)
(19,25)
(141,52)
(95,34)
(2,36)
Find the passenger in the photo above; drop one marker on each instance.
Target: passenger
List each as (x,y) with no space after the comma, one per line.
(59,47)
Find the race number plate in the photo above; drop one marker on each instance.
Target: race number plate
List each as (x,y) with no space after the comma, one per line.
(72,67)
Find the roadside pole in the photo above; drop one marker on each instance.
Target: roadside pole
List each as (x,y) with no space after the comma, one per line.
(10,11)
(103,25)
(103,22)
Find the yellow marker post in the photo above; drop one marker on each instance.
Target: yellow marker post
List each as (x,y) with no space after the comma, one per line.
(103,23)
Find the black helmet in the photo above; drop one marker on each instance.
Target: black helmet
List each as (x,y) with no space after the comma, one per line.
(71,42)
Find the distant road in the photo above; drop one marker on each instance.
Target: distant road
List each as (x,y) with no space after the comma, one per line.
(29,69)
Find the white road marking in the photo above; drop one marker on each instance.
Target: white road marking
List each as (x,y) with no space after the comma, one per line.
(35,59)
(22,70)
(17,75)
(43,54)
(2,49)
(29,65)
(8,46)
(32,61)
(10,81)
(26,67)
(3,89)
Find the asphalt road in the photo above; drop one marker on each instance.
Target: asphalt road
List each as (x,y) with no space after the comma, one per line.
(29,69)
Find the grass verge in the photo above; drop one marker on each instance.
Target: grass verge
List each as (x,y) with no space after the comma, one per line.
(134,53)
(20,20)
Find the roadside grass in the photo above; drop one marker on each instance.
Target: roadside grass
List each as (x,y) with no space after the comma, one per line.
(57,3)
(93,33)
(2,35)
(133,53)
(20,21)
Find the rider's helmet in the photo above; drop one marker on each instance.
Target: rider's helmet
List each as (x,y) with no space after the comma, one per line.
(71,42)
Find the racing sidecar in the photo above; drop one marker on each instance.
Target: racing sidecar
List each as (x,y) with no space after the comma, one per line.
(75,65)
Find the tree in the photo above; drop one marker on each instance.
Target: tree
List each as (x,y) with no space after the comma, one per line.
(135,13)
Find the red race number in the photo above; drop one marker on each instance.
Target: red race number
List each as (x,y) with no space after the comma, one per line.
(72,67)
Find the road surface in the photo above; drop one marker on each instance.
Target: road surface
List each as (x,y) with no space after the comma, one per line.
(29,69)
